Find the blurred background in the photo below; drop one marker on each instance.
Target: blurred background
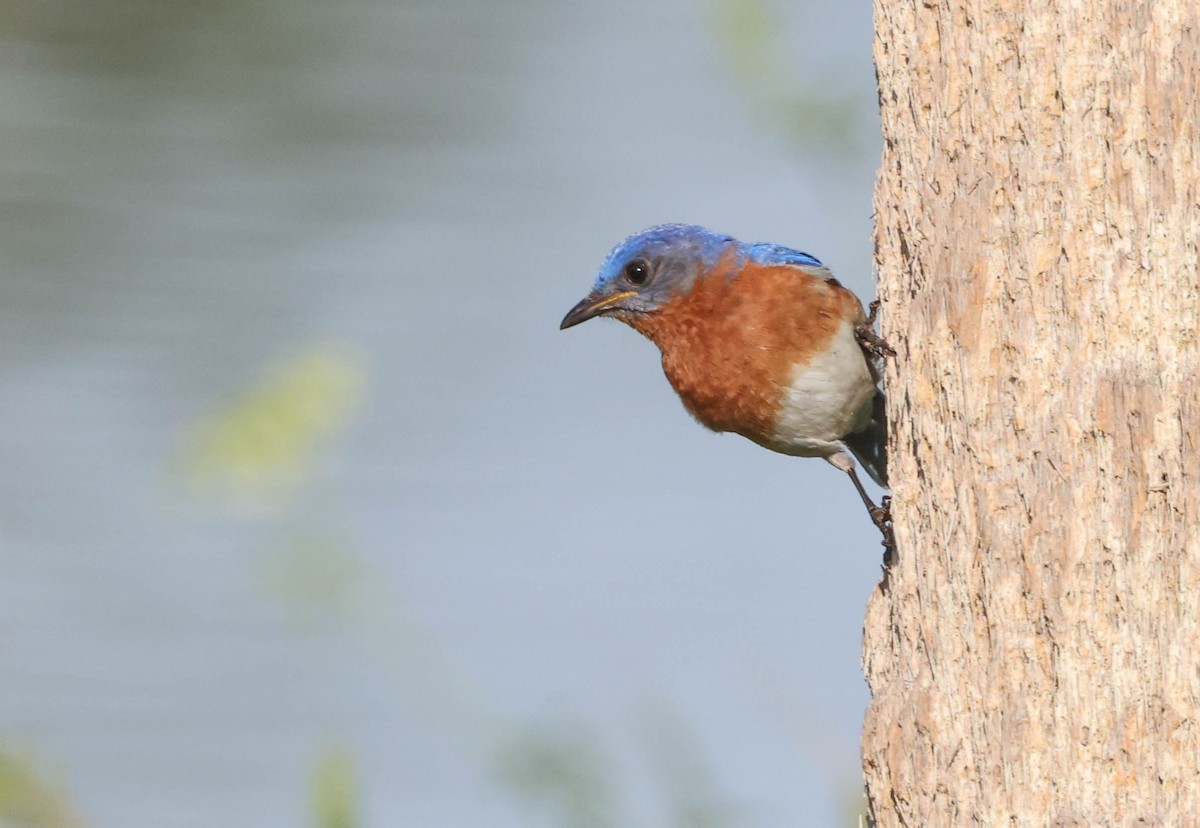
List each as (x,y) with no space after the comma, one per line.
(309,514)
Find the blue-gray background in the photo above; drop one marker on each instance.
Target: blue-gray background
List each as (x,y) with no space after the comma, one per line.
(309,515)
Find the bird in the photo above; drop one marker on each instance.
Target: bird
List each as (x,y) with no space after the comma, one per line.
(757,339)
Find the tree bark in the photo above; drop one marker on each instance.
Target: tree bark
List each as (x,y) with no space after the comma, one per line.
(1034,653)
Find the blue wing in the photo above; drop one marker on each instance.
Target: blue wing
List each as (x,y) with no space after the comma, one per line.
(777,254)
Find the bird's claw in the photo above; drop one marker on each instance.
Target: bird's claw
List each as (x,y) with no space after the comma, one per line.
(881,516)
(870,341)
(872,312)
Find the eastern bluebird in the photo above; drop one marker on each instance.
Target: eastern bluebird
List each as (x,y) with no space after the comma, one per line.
(757,339)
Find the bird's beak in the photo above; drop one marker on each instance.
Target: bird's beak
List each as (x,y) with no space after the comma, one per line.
(592,306)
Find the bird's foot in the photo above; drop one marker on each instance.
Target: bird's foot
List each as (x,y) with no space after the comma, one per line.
(870,341)
(873,312)
(881,516)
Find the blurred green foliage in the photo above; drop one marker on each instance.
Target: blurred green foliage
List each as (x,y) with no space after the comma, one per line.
(334,790)
(689,787)
(257,447)
(561,771)
(809,111)
(28,799)
(315,577)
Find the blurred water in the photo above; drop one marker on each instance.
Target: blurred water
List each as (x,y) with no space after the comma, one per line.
(510,582)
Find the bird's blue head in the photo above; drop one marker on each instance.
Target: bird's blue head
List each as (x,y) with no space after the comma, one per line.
(649,268)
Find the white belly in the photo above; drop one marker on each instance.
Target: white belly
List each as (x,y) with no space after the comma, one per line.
(828,398)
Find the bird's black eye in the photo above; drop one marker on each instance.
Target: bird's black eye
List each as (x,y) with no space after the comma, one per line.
(637,272)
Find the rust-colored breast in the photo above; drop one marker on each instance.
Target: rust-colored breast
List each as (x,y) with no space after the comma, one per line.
(730,345)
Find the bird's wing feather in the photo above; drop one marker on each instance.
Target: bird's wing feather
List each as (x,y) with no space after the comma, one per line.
(778,255)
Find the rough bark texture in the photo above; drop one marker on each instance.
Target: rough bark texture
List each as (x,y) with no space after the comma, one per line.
(1034,655)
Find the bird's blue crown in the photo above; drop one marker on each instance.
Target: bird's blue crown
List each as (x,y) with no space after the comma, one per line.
(703,244)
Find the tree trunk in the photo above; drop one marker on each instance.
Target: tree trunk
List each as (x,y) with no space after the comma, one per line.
(1034,653)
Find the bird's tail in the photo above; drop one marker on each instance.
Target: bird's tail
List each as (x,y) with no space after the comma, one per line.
(869,445)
